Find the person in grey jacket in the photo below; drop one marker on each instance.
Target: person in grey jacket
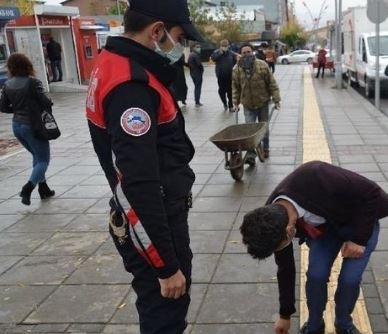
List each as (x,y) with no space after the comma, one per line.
(20,94)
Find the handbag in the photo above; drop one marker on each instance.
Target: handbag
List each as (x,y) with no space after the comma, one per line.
(43,122)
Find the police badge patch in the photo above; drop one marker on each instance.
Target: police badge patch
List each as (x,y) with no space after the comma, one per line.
(135,121)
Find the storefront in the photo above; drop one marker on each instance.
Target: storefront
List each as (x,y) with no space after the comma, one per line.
(30,35)
(6,14)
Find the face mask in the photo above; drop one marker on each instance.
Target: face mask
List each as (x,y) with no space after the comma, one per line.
(224,48)
(197,50)
(174,54)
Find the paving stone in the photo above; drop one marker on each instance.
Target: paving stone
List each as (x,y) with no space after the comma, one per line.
(38,270)
(207,241)
(216,204)
(204,267)
(7,262)
(83,192)
(374,306)
(68,243)
(42,223)
(56,206)
(8,220)
(383,240)
(121,329)
(79,304)
(100,207)
(379,265)
(21,243)
(251,203)
(89,222)
(50,328)
(233,329)
(234,244)
(241,268)
(100,269)
(379,323)
(237,190)
(211,220)
(85,328)
(18,301)
(14,206)
(259,297)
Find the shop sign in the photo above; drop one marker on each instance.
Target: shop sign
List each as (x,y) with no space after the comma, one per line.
(53,20)
(9,13)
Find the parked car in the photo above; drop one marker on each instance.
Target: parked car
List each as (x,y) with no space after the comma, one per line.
(298,56)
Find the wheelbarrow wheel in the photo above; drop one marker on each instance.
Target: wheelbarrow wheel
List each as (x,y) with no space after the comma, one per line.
(260,152)
(237,172)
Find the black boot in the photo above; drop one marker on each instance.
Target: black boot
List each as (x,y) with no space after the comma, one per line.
(45,191)
(25,194)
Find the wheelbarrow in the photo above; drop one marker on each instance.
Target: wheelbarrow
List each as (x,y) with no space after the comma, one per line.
(235,139)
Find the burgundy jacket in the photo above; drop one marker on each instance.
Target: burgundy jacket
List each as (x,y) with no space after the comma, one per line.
(350,203)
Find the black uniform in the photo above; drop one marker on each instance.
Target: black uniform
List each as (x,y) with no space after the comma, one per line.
(156,180)
(196,73)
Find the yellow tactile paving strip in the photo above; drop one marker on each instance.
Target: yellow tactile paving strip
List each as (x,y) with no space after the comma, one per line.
(315,147)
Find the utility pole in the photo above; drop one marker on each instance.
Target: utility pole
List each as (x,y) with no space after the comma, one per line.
(338,63)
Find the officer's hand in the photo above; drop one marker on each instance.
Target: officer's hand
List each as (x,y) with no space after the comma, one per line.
(282,326)
(277,105)
(174,286)
(352,250)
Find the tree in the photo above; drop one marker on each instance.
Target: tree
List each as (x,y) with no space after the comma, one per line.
(201,18)
(229,23)
(294,35)
(113,10)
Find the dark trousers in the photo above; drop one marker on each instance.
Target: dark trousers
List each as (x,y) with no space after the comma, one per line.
(158,315)
(271,66)
(197,80)
(225,90)
(56,68)
(321,67)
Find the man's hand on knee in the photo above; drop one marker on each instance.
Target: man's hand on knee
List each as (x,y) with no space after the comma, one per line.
(174,286)
(352,250)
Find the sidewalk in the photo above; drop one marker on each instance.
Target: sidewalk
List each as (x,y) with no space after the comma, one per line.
(59,270)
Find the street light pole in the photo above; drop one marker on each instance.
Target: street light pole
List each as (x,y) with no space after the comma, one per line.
(118,7)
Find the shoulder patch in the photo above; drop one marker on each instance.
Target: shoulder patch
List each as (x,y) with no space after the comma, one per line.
(135,121)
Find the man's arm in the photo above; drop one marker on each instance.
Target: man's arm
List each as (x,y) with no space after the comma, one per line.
(236,86)
(217,55)
(286,281)
(136,157)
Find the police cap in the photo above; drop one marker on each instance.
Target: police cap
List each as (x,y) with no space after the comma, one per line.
(171,11)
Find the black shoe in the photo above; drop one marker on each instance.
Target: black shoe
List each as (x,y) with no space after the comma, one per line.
(184,102)
(304,330)
(45,191)
(353,330)
(198,105)
(25,194)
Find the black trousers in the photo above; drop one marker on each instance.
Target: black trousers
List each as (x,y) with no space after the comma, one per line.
(321,66)
(158,315)
(197,80)
(225,90)
(271,66)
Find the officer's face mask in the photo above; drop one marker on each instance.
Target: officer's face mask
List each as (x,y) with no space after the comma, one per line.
(174,54)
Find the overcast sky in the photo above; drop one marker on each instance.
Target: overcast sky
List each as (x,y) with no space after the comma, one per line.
(301,11)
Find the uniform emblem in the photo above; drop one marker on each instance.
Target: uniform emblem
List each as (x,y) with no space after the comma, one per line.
(135,122)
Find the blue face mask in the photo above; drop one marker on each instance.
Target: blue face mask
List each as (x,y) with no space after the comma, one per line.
(174,54)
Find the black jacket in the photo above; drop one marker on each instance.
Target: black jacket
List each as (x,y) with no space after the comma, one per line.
(350,203)
(225,61)
(54,51)
(154,166)
(195,65)
(20,95)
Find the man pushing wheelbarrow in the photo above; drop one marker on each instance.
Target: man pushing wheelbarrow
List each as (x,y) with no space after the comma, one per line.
(254,86)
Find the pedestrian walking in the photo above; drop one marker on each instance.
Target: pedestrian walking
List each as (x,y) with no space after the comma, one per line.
(270,57)
(321,62)
(21,95)
(254,86)
(132,114)
(54,53)
(260,51)
(333,210)
(179,86)
(225,61)
(196,72)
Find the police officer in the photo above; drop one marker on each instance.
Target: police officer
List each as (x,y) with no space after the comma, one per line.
(132,114)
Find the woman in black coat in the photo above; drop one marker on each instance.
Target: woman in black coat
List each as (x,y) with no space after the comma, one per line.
(20,94)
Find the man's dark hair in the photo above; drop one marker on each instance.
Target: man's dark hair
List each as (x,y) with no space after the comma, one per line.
(264,229)
(135,22)
(246,45)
